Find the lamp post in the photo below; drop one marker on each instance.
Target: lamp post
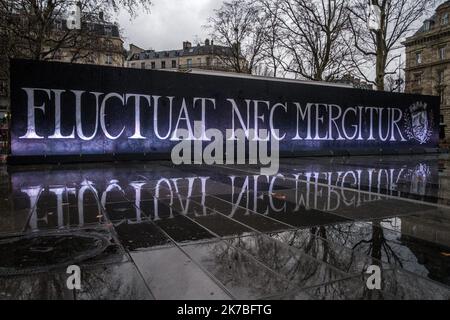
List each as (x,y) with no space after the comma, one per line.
(400,80)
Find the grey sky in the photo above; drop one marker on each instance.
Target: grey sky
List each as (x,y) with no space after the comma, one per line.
(173,21)
(169,24)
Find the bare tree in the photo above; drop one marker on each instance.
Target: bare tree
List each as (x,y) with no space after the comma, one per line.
(239,26)
(274,53)
(35,28)
(312,33)
(375,48)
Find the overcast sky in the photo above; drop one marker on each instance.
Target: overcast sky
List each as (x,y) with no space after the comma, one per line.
(169,24)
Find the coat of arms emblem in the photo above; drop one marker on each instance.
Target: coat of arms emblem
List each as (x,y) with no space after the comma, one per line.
(418,124)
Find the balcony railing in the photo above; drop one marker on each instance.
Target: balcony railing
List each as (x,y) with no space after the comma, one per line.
(204,66)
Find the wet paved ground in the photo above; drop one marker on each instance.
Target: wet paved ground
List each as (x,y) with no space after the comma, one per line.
(155,231)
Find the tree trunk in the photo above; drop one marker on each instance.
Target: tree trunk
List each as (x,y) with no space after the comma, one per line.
(275,68)
(380,62)
(381,53)
(380,73)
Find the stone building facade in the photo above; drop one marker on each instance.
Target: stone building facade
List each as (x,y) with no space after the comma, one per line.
(354,82)
(106,47)
(204,57)
(102,45)
(427,68)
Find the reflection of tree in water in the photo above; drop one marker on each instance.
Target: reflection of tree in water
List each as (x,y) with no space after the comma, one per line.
(378,247)
(35,286)
(237,270)
(100,282)
(329,255)
(371,244)
(315,243)
(342,245)
(304,271)
(321,243)
(299,270)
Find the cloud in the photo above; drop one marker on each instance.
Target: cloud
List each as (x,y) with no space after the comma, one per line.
(169,24)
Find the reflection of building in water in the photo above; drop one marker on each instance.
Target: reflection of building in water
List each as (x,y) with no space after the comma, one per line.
(434,225)
(433,228)
(419,179)
(444,181)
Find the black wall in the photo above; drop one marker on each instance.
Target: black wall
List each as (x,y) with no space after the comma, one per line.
(418,128)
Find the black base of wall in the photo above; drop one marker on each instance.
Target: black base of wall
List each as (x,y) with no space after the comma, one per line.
(89,158)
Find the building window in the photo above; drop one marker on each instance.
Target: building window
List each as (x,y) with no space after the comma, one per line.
(440,77)
(108,45)
(58,25)
(108,59)
(108,31)
(90,59)
(142,65)
(418,79)
(427,26)
(189,63)
(418,57)
(444,19)
(440,92)
(174,63)
(163,64)
(441,52)
(57,55)
(153,64)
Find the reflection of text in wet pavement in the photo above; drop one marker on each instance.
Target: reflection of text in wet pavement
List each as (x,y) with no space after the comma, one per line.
(200,232)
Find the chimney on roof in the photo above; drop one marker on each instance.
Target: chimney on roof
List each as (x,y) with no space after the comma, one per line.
(206,42)
(187,45)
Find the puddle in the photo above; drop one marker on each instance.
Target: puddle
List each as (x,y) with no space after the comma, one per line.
(44,252)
